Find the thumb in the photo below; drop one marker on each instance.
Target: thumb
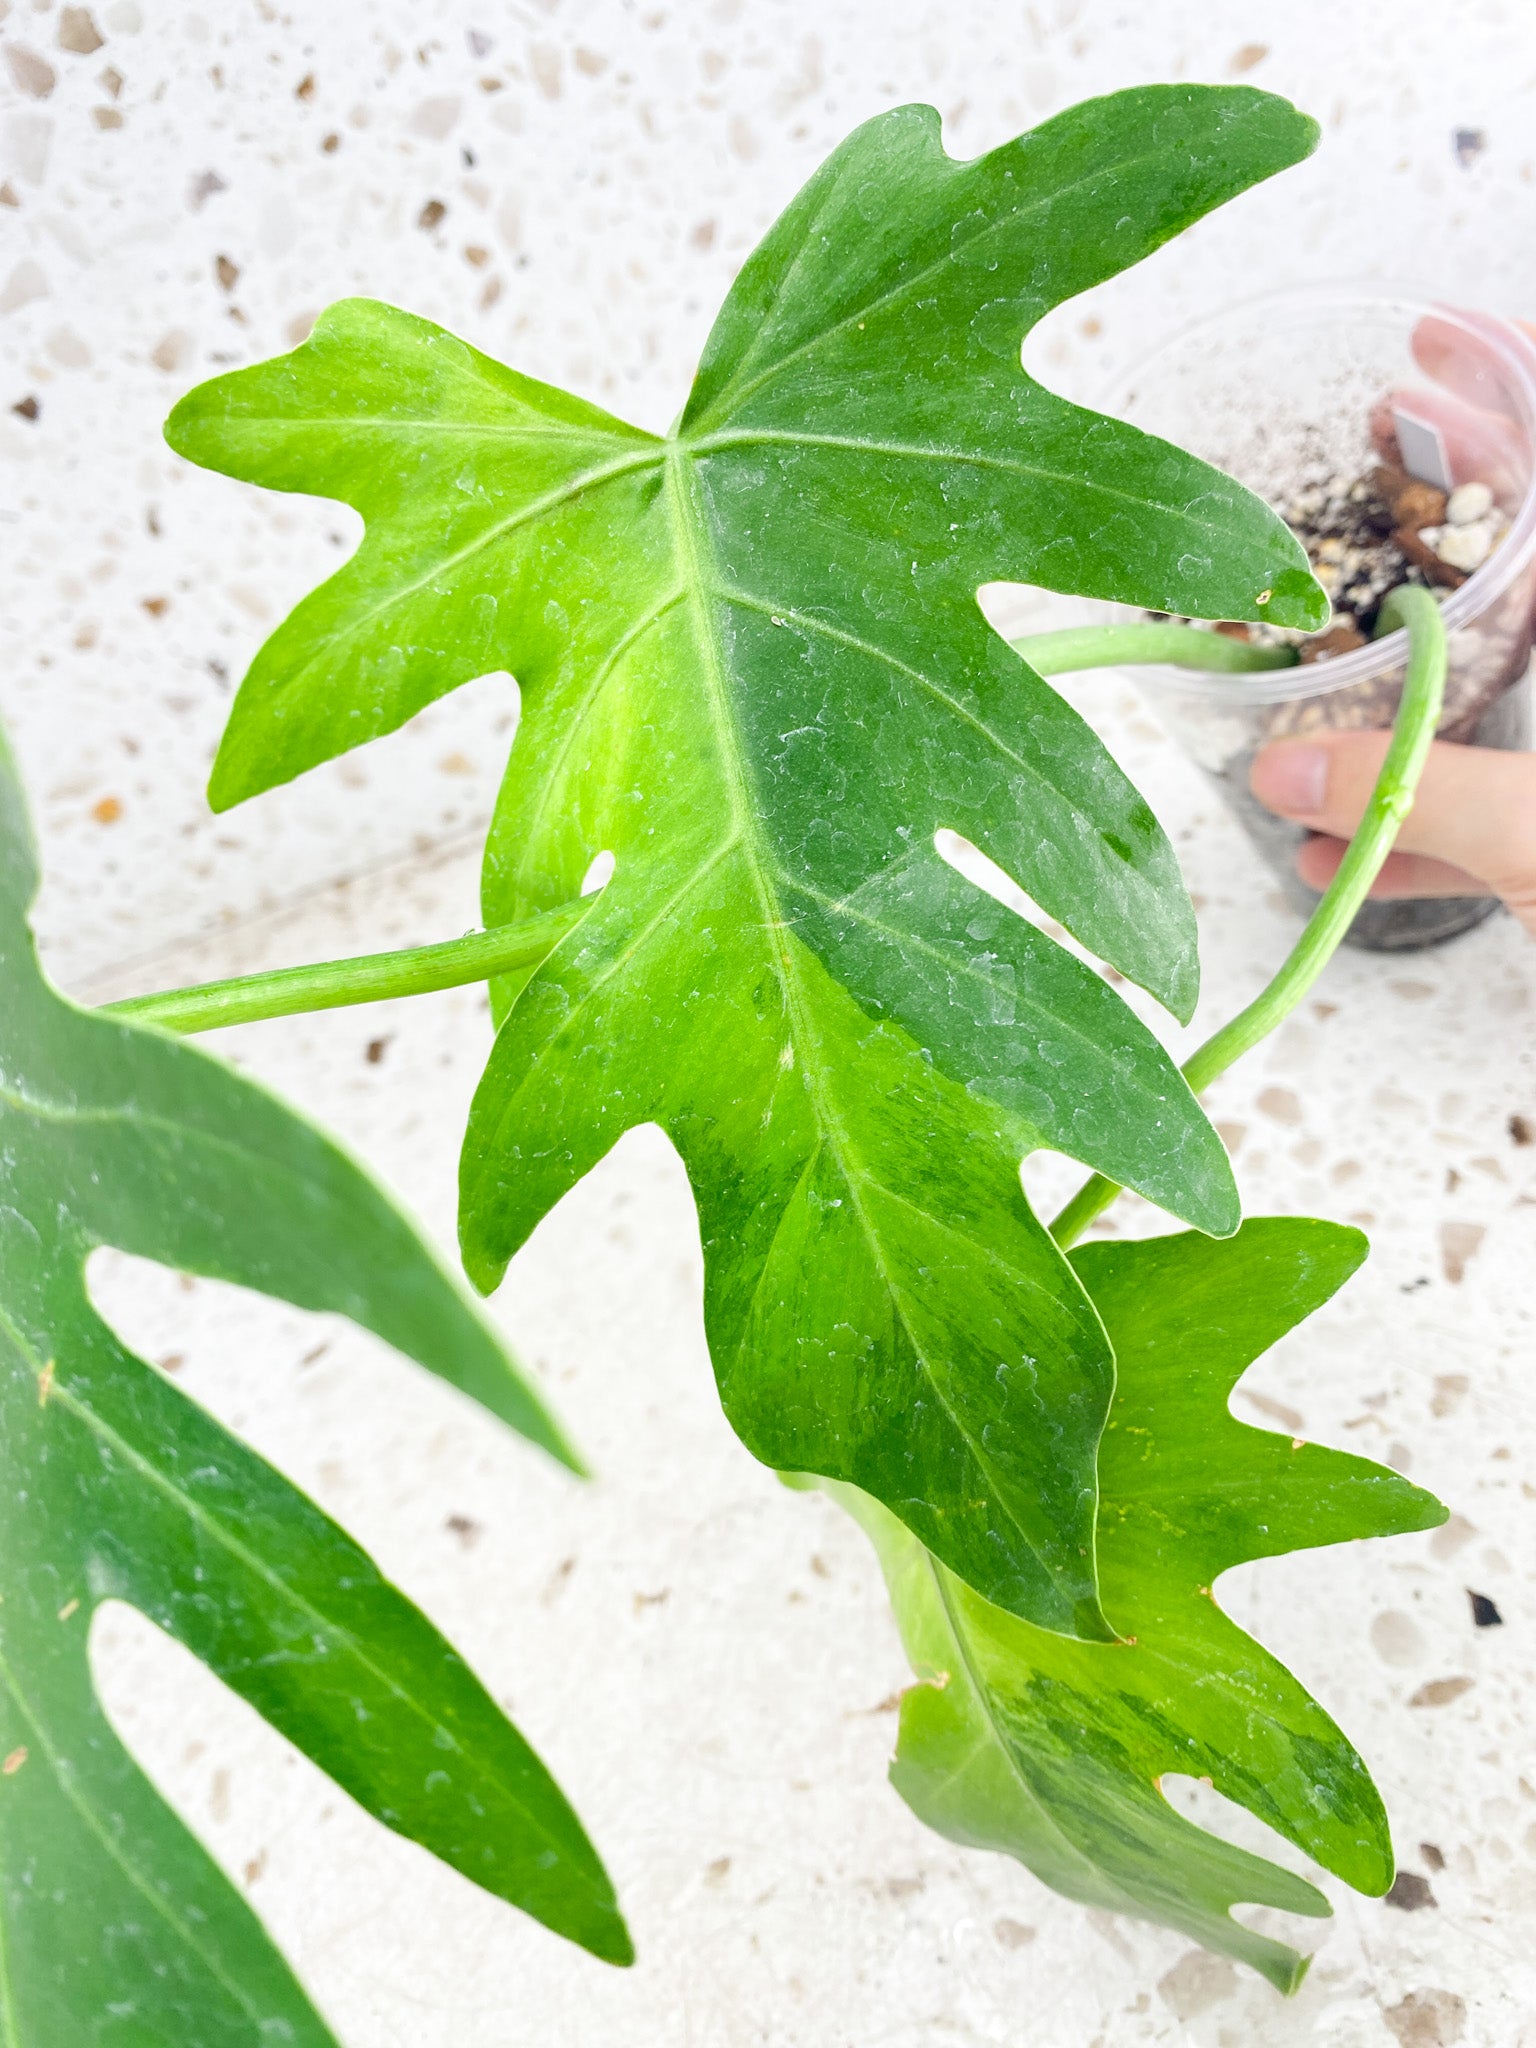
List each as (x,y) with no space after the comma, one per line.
(1474,810)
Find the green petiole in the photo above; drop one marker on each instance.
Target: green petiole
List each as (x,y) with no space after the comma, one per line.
(372,978)
(1413,729)
(1057,654)
(375,977)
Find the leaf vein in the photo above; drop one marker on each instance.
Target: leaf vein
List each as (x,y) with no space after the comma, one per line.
(970,458)
(993,225)
(526,515)
(914,940)
(578,717)
(981,1693)
(628,953)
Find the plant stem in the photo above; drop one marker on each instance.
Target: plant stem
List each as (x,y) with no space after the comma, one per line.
(1056,654)
(1413,729)
(330,984)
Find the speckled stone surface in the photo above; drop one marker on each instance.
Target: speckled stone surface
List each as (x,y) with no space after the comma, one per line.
(571,185)
(706,1661)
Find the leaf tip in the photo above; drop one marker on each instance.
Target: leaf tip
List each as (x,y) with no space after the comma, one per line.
(612,1942)
(565,1453)
(1295,598)
(222,794)
(1429,1511)
(1289,1977)
(1298,133)
(1090,1624)
(177,428)
(1183,991)
(230,780)
(1221,1213)
(484,1269)
(1307,128)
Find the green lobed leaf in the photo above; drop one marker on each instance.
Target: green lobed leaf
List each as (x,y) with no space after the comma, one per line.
(114,1923)
(754,670)
(1050,1750)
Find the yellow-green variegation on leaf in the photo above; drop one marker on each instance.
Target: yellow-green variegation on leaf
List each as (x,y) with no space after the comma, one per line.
(1052,1751)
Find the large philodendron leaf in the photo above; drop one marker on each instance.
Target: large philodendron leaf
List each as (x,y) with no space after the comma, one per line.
(753,669)
(1052,1750)
(114,1923)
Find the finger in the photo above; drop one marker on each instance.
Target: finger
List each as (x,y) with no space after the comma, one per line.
(1402,874)
(1482,447)
(1475,807)
(1468,352)
(1476,409)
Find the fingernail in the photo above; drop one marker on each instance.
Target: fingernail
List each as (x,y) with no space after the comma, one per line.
(1291,778)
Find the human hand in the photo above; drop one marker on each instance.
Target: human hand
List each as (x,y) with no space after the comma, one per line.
(1471,832)
(1472,829)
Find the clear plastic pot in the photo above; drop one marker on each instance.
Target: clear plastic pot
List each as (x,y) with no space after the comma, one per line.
(1282,390)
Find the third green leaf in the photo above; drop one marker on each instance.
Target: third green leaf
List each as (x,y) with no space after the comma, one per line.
(1053,1751)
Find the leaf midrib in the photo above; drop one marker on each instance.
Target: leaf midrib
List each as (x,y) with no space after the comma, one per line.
(690,542)
(916,451)
(981,1693)
(45,1111)
(369,423)
(939,1579)
(577,717)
